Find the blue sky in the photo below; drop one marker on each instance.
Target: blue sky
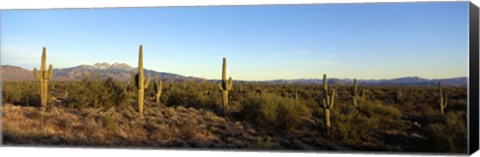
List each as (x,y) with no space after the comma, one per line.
(365,41)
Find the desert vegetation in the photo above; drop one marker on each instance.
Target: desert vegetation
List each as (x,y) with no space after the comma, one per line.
(195,114)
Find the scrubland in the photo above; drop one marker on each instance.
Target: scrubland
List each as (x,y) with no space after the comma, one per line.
(103,113)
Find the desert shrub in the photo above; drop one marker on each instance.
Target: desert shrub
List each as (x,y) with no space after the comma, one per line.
(354,127)
(387,116)
(272,110)
(11,94)
(428,113)
(178,97)
(362,126)
(201,95)
(21,93)
(448,135)
(98,94)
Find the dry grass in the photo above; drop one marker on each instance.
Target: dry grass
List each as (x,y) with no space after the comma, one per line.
(114,127)
(178,127)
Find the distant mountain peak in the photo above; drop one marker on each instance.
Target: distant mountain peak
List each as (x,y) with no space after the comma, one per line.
(122,66)
(102,65)
(106,66)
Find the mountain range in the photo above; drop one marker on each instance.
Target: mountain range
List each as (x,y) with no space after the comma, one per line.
(119,71)
(123,72)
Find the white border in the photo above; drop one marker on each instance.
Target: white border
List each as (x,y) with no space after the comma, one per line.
(82,152)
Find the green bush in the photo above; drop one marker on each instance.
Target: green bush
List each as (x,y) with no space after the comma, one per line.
(98,94)
(387,116)
(354,127)
(272,110)
(449,135)
(22,93)
(362,125)
(199,95)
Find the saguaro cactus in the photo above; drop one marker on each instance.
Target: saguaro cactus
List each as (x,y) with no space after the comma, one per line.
(140,83)
(158,89)
(295,97)
(226,85)
(443,98)
(43,76)
(356,93)
(327,101)
(399,96)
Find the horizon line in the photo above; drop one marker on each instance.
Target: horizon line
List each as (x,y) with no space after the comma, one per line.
(278,79)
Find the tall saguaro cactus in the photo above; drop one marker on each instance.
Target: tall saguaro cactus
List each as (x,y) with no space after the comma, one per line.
(226,85)
(356,93)
(327,101)
(43,76)
(140,83)
(158,89)
(443,99)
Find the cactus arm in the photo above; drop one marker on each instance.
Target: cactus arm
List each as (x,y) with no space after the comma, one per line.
(50,72)
(446,101)
(220,86)
(324,103)
(332,99)
(158,84)
(156,78)
(147,81)
(230,83)
(35,73)
(159,88)
(363,94)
